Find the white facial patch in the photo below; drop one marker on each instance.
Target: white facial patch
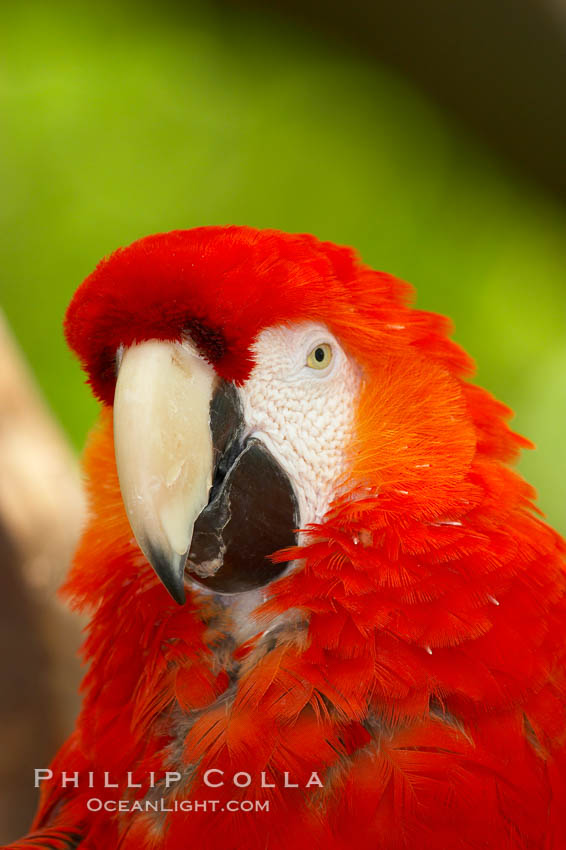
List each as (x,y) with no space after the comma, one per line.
(303,413)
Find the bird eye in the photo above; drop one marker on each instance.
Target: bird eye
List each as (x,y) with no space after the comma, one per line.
(320,356)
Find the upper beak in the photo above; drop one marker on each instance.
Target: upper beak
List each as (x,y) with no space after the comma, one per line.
(164,451)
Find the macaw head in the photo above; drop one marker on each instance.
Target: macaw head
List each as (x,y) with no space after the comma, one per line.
(264,383)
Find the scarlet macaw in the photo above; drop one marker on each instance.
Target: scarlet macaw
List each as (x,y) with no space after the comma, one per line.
(360,619)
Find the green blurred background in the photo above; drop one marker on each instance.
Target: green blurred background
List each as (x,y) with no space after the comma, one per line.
(120,120)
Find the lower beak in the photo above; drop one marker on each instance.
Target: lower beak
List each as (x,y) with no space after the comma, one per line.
(164,451)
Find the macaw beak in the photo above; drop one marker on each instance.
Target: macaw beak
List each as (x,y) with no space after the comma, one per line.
(164,452)
(203,500)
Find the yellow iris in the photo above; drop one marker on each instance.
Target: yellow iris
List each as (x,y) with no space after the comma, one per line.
(320,356)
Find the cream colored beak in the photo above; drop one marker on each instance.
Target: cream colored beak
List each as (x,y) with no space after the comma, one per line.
(164,451)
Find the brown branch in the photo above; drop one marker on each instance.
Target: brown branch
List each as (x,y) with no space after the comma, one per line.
(42,509)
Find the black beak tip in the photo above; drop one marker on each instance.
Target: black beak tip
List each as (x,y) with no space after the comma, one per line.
(170,571)
(176,591)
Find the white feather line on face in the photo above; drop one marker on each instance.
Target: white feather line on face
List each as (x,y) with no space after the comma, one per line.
(306,419)
(304,416)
